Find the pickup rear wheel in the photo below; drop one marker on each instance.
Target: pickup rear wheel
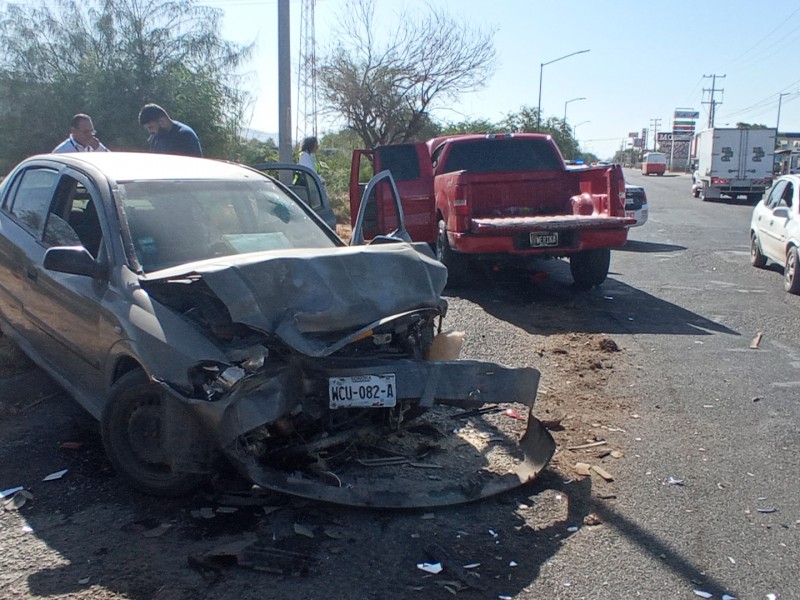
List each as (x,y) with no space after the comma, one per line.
(457,264)
(131,428)
(757,259)
(791,272)
(590,267)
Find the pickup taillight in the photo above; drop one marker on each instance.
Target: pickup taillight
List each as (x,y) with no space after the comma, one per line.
(460,204)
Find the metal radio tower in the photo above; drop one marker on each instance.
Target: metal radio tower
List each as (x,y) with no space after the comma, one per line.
(307,74)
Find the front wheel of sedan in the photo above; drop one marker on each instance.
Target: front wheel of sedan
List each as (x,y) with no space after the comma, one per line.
(131,428)
(791,275)
(757,259)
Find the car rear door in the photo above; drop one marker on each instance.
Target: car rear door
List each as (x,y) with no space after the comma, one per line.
(771,221)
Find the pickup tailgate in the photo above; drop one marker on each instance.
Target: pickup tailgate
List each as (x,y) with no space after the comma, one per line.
(511,225)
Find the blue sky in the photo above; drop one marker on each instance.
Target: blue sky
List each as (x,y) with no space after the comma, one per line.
(646,59)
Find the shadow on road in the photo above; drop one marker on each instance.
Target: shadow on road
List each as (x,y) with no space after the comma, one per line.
(546,302)
(649,247)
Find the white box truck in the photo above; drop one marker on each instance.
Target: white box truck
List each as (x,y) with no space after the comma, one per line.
(732,163)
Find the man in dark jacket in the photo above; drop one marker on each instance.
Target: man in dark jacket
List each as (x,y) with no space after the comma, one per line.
(166,135)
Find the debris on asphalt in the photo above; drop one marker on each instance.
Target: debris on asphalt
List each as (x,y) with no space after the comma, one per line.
(592,520)
(446,561)
(432,568)
(767,509)
(258,555)
(728,597)
(603,473)
(56,475)
(303,530)
(10,492)
(608,345)
(617,454)
(583,468)
(589,445)
(672,481)
(756,340)
(16,499)
(703,594)
(84,581)
(514,414)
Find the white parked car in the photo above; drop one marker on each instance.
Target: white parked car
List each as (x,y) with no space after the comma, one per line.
(775,230)
(636,204)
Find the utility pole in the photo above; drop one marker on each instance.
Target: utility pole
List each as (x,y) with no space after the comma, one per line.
(284,84)
(712,102)
(654,125)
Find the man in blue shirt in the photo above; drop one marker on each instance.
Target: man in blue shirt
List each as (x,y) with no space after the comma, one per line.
(81,138)
(166,135)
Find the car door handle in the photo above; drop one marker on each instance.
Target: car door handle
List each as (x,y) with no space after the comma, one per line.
(32,274)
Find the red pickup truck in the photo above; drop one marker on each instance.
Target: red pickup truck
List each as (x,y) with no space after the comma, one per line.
(502,199)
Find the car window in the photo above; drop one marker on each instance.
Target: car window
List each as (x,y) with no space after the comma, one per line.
(786,196)
(775,193)
(175,222)
(72,219)
(496,156)
(31,198)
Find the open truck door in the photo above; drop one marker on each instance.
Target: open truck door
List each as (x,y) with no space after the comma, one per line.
(412,173)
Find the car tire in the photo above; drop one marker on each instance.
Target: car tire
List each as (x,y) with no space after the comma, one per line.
(695,192)
(457,264)
(589,268)
(757,258)
(131,424)
(791,272)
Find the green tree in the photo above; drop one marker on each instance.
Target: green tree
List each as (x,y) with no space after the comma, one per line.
(107,58)
(384,91)
(525,120)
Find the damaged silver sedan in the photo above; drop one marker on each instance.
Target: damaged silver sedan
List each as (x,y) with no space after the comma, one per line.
(207,317)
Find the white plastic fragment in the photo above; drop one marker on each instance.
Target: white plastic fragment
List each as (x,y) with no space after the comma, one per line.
(432,568)
(471,566)
(84,581)
(733,560)
(502,597)
(673,481)
(728,597)
(493,533)
(703,594)
(572,529)
(513,563)
(10,492)
(772,597)
(56,475)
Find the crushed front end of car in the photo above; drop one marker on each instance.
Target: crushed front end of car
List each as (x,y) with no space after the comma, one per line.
(334,387)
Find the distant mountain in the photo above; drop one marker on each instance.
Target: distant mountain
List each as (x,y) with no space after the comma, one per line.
(261,136)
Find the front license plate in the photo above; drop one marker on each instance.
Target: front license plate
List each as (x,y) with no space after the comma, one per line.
(539,240)
(362,391)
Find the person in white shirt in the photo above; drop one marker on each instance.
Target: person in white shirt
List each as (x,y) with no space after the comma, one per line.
(307,149)
(82,137)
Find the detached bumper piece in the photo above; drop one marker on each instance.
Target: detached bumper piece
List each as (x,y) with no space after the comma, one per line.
(447,442)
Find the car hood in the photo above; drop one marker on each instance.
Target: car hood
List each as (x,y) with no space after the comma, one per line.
(301,295)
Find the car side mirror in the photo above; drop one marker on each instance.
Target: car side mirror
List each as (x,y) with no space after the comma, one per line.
(781,212)
(75,260)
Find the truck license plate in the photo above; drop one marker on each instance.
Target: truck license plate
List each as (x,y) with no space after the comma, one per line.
(539,240)
(362,391)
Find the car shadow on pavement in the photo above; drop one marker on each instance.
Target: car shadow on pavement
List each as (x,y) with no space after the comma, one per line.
(647,247)
(547,303)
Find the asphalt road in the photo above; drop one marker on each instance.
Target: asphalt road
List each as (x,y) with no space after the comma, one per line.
(714,414)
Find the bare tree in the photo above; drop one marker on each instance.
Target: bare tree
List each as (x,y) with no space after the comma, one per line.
(385,91)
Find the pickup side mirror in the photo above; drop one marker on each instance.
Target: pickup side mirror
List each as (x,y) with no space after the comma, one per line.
(399,234)
(75,260)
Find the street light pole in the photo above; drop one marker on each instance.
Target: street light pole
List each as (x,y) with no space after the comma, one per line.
(565,107)
(541,69)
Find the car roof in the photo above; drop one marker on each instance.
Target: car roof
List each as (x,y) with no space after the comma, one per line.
(137,166)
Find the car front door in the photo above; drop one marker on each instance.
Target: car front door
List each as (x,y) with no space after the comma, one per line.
(65,312)
(774,221)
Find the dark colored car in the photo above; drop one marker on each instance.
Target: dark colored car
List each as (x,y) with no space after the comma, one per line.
(208,319)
